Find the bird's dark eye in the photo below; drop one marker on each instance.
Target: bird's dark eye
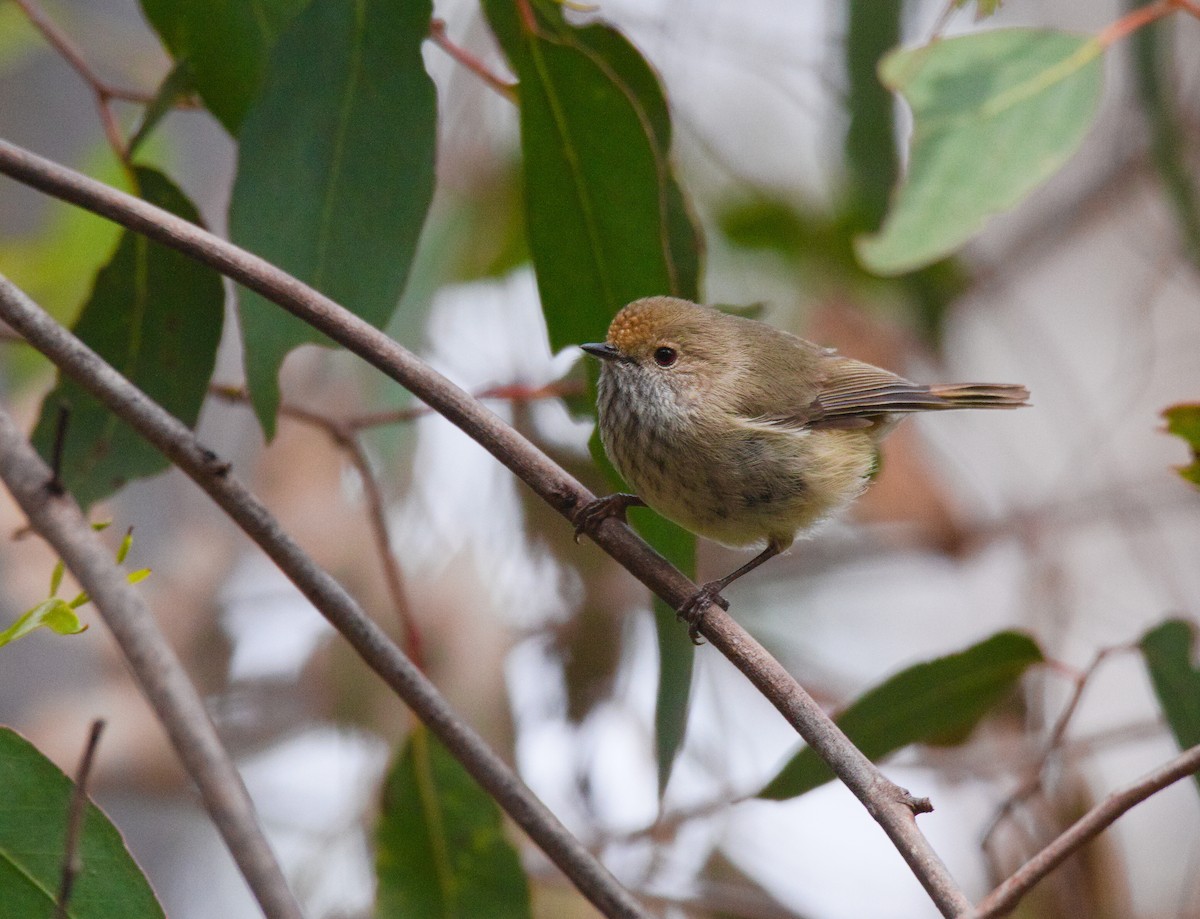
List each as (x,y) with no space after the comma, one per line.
(665,356)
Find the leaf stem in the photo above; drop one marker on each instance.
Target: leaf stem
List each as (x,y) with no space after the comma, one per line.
(438,35)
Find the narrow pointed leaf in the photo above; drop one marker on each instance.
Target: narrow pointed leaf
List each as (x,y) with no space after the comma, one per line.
(1170,655)
(939,701)
(440,847)
(34,803)
(995,114)
(606,218)
(225,45)
(156,316)
(607,223)
(335,171)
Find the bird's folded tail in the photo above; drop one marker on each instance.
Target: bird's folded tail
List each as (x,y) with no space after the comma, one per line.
(838,407)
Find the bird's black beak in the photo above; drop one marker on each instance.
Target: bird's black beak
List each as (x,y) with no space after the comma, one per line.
(602,350)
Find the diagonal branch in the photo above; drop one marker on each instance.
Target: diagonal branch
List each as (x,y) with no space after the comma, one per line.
(162,679)
(1002,900)
(174,440)
(892,807)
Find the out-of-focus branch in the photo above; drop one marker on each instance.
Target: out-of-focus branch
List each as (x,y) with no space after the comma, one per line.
(1002,900)
(1037,773)
(57,518)
(101,89)
(891,806)
(72,863)
(180,445)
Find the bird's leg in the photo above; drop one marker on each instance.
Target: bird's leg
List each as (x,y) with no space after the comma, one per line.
(588,517)
(692,612)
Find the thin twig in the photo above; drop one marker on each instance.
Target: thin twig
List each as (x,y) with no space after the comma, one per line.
(72,862)
(159,673)
(380,653)
(1037,772)
(437,32)
(1005,897)
(891,806)
(103,91)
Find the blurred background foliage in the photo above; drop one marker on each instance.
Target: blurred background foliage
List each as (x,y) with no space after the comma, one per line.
(491,188)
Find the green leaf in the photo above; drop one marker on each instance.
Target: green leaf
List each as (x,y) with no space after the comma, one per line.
(335,171)
(226,45)
(440,849)
(606,218)
(939,702)
(1184,421)
(55,614)
(155,315)
(995,114)
(607,223)
(178,84)
(1169,650)
(34,805)
(870,144)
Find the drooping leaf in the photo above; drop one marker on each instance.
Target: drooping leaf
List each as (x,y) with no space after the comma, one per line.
(871,161)
(35,799)
(335,171)
(995,114)
(440,849)
(155,315)
(1169,652)
(1184,421)
(938,701)
(607,223)
(606,218)
(226,45)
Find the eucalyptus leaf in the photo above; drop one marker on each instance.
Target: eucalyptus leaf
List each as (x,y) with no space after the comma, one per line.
(995,114)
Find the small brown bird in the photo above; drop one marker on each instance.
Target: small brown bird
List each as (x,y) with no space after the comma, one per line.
(743,433)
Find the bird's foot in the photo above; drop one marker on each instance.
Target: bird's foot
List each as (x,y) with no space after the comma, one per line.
(693,611)
(592,514)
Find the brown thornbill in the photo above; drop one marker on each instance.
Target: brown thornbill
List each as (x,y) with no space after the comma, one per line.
(744,433)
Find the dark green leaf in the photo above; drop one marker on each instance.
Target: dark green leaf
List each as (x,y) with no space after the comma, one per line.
(178,84)
(155,315)
(607,221)
(939,701)
(871,161)
(1184,421)
(226,45)
(994,114)
(335,171)
(440,847)
(35,798)
(676,654)
(1168,650)
(607,224)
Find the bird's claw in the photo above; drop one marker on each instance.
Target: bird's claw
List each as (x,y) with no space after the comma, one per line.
(693,611)
(588,517)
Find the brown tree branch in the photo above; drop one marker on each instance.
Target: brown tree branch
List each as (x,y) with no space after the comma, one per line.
(891,806)
(72,863)
(1002,900)
(57,518)
(381,654)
